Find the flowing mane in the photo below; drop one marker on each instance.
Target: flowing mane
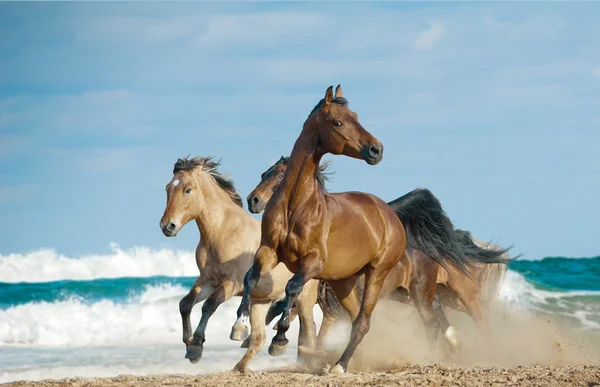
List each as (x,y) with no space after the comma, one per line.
(211,167)
(323,173)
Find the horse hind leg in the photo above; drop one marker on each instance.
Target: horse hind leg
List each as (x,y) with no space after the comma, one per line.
(374,279)
(265,260)
(258,336)
(423,292)
(467,292)
(447,329)
(308,330)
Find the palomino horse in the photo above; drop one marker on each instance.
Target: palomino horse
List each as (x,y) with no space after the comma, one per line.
(334,237)
(456,290)
(229,237)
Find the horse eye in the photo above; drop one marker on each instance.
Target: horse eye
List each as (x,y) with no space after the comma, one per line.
(338,123)
(280,176)
(188,190)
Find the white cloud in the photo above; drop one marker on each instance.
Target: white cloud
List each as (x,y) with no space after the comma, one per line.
(430,37)
(596,72)
(17,193)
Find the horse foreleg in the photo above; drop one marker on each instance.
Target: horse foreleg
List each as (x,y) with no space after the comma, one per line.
(265,260)
(310,267)
(258,311)
(221,294)
(198,293)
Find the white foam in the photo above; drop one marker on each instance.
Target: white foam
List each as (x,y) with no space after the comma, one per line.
(40,363)
(47,265)
(151,318)
(143,336)
(519,294)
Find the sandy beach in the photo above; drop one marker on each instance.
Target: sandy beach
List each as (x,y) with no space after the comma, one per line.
(407,376)
(524,350)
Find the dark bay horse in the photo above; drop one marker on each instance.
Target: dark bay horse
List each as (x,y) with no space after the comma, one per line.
(471,294)
(333,237)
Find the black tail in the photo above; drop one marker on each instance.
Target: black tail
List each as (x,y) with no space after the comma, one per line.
(329,303)
(429,230)
(487,254)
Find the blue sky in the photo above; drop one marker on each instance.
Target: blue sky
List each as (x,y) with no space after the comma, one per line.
(493,106)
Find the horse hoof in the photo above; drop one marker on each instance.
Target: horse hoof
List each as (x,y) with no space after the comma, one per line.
(194,353)
(337,370)
(277,349)
(239,332)
(450,336)
(241,368)
(246,343)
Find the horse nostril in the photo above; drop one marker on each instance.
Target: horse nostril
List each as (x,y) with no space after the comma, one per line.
(374,150)
(254,200)
(171,226)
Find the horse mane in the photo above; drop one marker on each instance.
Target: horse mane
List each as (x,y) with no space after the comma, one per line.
(323,172)
(211,167)
(338,100)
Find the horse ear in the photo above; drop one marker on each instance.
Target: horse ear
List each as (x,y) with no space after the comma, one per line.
(328,96)
(338,91)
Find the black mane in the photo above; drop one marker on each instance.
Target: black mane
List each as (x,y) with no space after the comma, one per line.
(338,100)
(323,172)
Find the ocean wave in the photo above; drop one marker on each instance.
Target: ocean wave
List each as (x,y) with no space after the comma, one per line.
(583,307)
(149,318)
(47,265)
(118,290)
(145,311)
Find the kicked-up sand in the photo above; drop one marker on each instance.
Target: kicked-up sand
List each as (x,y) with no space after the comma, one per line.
(522,350)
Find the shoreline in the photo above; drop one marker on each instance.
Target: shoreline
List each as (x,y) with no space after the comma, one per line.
(411,375)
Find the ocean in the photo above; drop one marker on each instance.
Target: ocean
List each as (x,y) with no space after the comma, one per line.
(105,315)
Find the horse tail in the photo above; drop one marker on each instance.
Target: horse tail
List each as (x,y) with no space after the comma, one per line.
(429,230)
(329,303)
(495,274)
(492,275)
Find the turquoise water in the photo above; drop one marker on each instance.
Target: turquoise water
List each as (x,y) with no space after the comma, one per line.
(558,273)
(554,274)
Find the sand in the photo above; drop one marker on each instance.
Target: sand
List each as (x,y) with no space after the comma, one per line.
(522,350)
(407,376)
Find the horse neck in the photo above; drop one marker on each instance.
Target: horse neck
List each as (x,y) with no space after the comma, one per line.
(299,181)
(218,215)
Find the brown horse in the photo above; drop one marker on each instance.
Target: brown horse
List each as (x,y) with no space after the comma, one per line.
(229,237)
(473,295)
(334,237)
